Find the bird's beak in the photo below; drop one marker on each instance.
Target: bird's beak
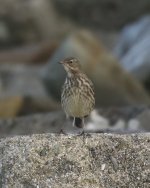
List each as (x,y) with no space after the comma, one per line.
(61,62)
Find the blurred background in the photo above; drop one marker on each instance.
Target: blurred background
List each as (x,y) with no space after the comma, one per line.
(111,38)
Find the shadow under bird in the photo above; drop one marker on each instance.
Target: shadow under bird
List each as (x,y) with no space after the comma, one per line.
(77,97)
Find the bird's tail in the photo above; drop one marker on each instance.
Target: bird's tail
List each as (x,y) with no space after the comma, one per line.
(79,122)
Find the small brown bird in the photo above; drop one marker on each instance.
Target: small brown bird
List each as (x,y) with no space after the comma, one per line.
(77,96)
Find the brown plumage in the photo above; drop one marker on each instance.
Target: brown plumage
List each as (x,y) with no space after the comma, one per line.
(77,96)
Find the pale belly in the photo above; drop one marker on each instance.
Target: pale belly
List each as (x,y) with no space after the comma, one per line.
(78,106)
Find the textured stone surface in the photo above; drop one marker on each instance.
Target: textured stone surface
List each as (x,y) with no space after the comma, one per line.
(90,160)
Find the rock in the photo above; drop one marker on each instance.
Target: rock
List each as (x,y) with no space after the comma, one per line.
(20,79)
(119,120)
(90,160)
(4,33)
(109,39)
(113,86)
(11,106)
(108,15)
(29,54)
(39,123)
(36,104)
(22,23)
(22,105)
(133,48)
(109,120)
(22,92)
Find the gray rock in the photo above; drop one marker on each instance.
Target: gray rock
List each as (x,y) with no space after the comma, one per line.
(106,14)
(23,24)
(116,120)
(22,83)
(133,48)
(113,86)
(20,79)
(90,160)
(4,34)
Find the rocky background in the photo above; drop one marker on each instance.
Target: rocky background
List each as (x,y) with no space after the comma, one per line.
(112,40)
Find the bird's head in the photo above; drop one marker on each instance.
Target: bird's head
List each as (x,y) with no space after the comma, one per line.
(71,65)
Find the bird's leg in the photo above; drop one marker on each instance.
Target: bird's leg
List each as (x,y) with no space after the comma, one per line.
(83,122)
(67,116)
(74,122)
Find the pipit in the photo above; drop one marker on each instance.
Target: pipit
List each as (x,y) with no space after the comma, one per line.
(77,95)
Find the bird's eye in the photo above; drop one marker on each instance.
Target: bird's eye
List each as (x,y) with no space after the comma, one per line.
(71,61)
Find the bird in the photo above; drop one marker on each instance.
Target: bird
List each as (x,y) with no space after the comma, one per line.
(77,95)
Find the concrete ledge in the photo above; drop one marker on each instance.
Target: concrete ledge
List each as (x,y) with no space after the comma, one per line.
(90,160)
